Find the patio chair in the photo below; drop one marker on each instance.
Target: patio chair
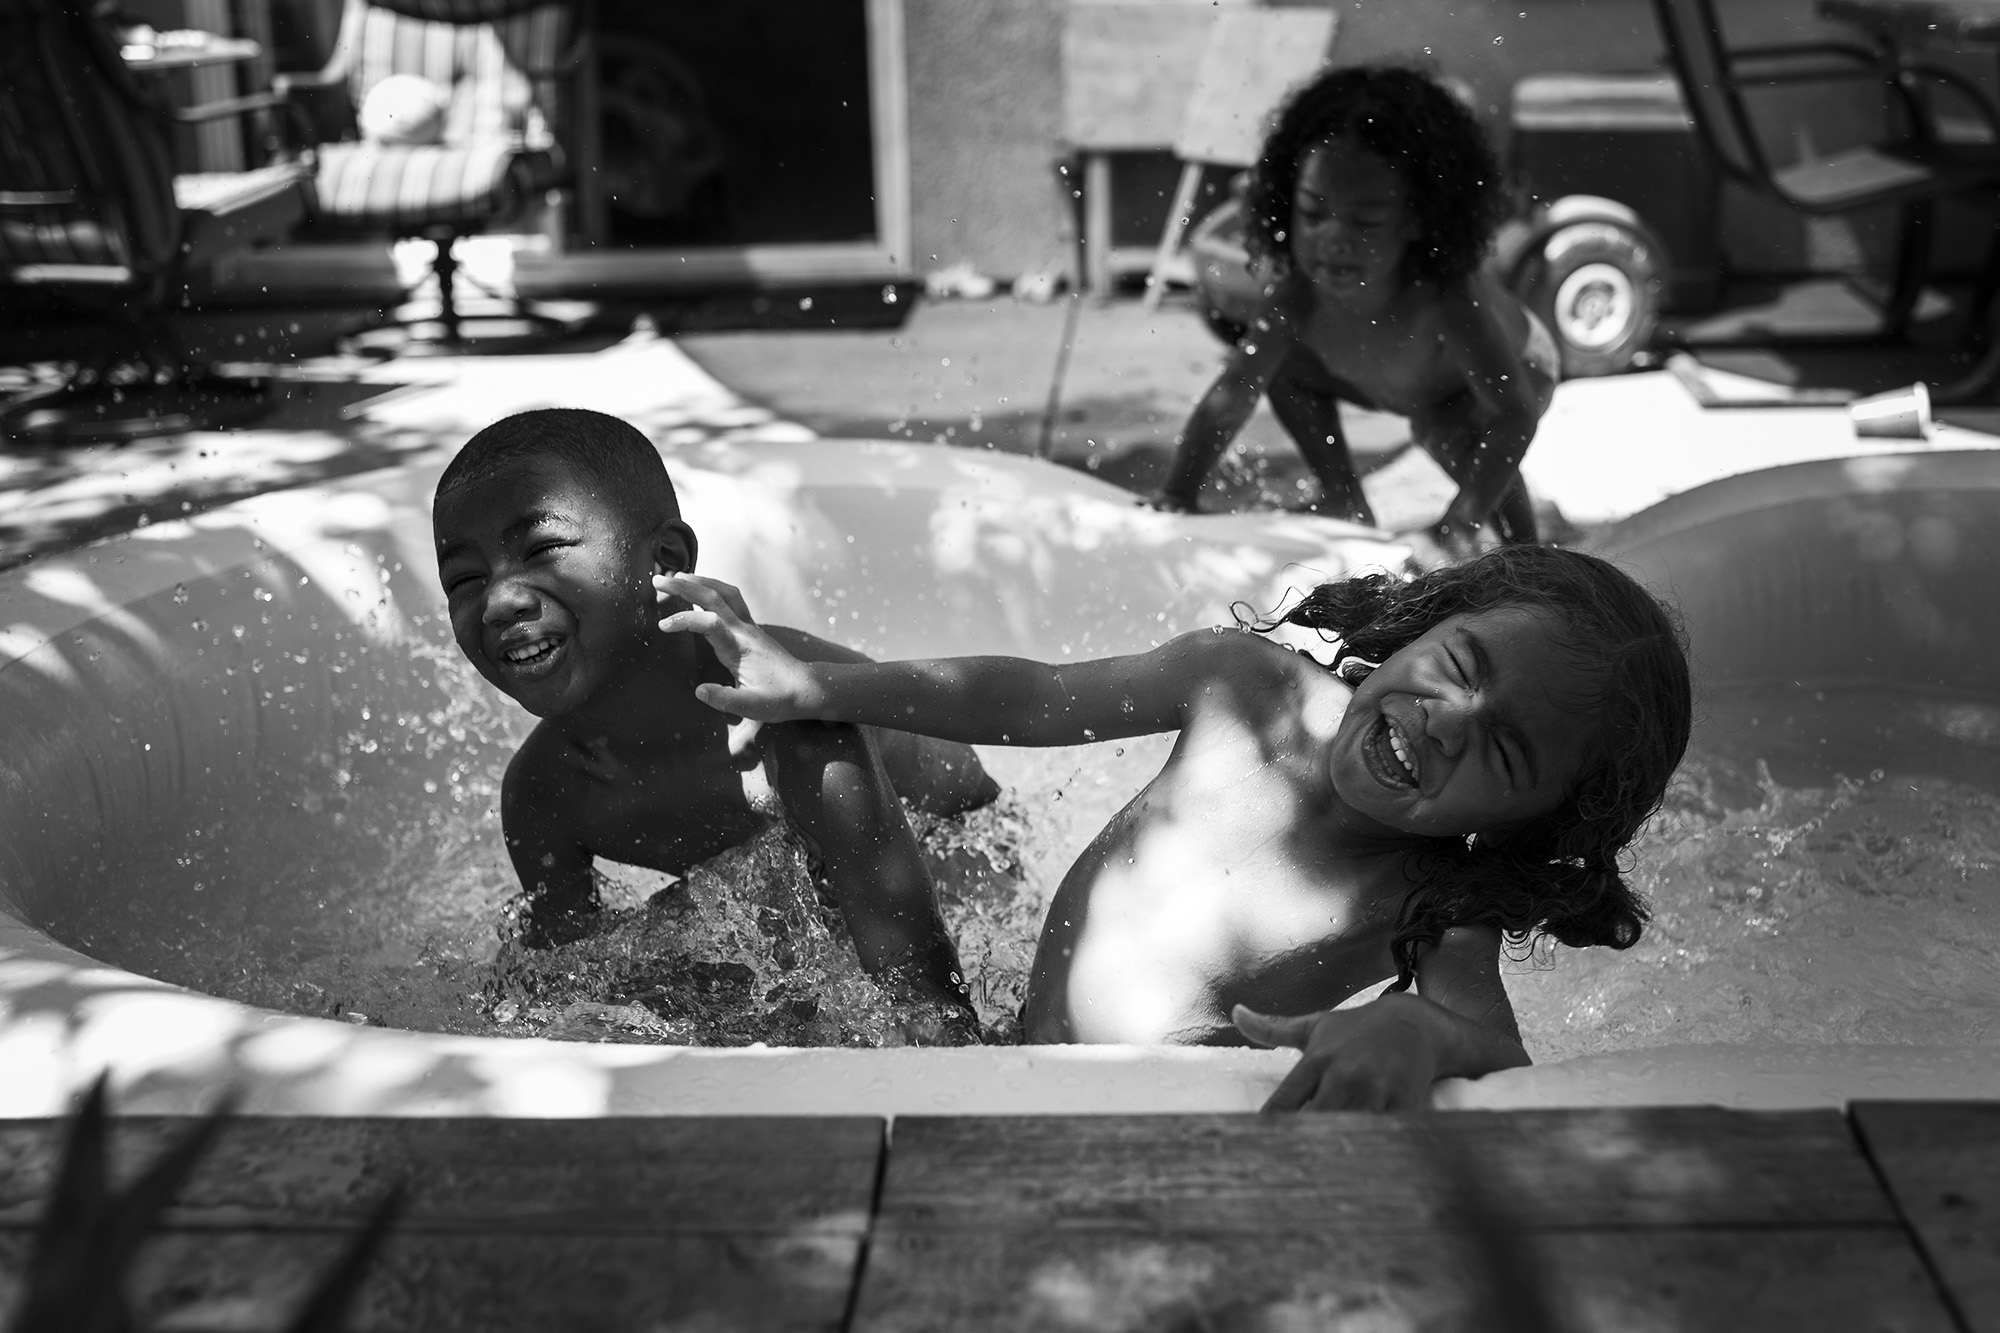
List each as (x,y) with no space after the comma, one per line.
(503,68)
(90,203)
(1912,168)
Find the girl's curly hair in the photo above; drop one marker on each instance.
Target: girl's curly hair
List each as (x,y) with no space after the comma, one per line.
(1451,177)
(1558,873)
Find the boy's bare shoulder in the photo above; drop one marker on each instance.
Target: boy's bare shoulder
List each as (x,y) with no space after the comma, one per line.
(539,771)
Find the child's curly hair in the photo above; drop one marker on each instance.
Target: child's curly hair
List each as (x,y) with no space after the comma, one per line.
(1453,182)
(1558,873)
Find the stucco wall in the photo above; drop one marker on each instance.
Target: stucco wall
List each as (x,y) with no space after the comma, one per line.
(985,116)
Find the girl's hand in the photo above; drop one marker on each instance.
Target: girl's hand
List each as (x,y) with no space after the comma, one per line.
(771,685)
(1441,544)
(1376,1057)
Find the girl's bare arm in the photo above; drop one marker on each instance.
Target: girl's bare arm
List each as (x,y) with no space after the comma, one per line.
(1385,1055)
(978,700)
(1507,401)
(1246,373)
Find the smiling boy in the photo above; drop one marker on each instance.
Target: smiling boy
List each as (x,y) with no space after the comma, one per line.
(550,526)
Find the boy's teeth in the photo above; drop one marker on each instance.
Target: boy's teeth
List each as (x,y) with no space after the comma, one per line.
(528,650)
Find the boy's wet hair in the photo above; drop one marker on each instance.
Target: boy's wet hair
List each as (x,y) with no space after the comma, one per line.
(1558,873)
(1451,177)
(597,445)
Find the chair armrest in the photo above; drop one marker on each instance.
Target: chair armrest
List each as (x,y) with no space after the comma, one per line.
(1853,51)
(294,133)
(31,199)
(284,84)
(229,106)
(1967,88)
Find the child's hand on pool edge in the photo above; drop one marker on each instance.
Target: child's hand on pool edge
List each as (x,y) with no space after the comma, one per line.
(771,685)
(1375,1057)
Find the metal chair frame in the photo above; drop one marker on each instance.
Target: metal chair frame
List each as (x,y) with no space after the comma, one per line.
(1712,76)
(137,378)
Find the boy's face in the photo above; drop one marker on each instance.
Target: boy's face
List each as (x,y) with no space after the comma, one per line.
(1350,219)
(549,589)
(1470,729)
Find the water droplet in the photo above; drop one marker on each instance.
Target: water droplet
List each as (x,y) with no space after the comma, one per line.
(180,594)
(805,303)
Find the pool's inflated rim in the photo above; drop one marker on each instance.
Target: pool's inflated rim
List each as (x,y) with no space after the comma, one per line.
(126,684)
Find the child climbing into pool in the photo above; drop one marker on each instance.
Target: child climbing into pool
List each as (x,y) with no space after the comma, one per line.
(550,526)
(1486,742)
(1368,213)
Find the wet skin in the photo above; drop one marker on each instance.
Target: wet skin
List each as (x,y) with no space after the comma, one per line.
(1345,322)
(551,599)
(1264,866)
(1267,864)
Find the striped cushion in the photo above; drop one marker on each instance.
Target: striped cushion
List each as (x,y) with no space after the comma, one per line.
(498,72)
(418,185)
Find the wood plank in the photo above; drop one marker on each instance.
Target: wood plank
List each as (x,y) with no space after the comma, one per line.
(1860,1278)
(1941,1162)
(491,1284)
(659,1174)
(1679,1166)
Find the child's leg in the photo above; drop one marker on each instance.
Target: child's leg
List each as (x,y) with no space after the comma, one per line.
(1305,403)
(938,777)
(1452,437)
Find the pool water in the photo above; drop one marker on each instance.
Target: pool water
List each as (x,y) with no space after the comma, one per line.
(1827,868)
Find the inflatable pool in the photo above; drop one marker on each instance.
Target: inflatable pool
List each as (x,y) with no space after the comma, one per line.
(252,669)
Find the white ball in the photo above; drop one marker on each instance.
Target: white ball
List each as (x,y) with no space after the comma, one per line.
(403,109)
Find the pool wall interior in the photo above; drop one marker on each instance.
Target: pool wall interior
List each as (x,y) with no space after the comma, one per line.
(189,666)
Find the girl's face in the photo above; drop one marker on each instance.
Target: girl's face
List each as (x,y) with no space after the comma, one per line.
(1350,219)
(1470,729)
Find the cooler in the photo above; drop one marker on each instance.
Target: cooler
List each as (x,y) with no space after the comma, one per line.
(1625,137)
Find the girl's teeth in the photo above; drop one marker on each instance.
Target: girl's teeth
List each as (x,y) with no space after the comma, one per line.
(1402,753)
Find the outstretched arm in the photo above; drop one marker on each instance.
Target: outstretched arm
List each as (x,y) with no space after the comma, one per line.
(936,776)
(1386,1054)
(978,700)
(1504,406)
(1222,411)
(558,894)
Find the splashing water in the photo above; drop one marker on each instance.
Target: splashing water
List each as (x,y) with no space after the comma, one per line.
(1827,869)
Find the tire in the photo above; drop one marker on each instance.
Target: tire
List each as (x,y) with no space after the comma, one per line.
(1596,284)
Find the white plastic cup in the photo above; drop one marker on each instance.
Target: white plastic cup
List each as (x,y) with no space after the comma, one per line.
(1900,414)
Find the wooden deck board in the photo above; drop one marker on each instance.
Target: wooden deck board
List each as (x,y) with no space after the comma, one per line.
(1699,1280)
(1650,1218)
(1668,1166)
(500,1283)
(1941,1161)
(579,1176)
